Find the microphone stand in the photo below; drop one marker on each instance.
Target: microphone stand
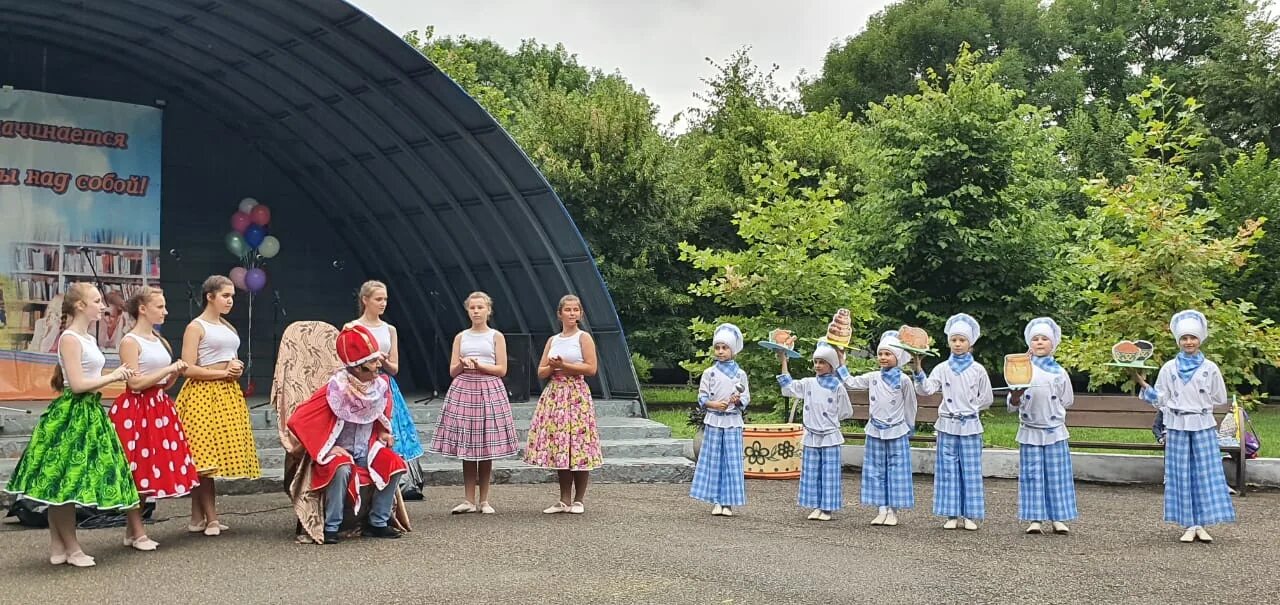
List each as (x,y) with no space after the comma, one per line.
(277,311)
(97,282)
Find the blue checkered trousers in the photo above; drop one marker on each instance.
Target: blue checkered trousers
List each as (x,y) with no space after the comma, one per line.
(718,476)
(886,473)
(820,478)
(957,477)
(1046,488)
(1195,486)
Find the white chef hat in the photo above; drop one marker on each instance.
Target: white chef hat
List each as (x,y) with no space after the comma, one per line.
(827,353)
(1043,326)
(1189,322)
(964,325)
(889,341)
(729,335)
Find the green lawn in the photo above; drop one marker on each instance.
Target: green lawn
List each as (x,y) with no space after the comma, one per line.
(1000,426)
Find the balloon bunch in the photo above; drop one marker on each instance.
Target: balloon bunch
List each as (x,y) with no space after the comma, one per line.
(248,241)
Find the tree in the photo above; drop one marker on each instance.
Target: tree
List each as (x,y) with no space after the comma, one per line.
(1142,253)
(902,43)
(609,164)
(458,60)
(959,185)
(788,275)
(1245,189)
(1222,52)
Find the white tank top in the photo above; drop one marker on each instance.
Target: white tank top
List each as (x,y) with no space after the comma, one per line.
(152,355)
(479,345)
(91,358)
(382,334)
(219,344)
(568,349)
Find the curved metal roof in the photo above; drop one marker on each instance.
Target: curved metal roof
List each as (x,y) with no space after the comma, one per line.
(376,135)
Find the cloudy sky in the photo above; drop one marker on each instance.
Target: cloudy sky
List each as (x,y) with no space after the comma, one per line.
(659,45)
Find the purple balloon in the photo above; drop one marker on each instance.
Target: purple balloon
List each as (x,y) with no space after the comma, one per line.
(254,235)
(255,279)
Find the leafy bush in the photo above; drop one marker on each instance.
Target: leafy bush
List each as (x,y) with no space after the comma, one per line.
(788,274)
(1142,253)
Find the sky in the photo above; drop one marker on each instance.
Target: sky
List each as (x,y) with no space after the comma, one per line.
(658,45)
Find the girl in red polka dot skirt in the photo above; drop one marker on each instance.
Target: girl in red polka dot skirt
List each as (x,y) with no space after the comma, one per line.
(144,416)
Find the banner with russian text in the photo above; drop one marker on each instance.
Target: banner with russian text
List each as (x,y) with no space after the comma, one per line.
(80,197)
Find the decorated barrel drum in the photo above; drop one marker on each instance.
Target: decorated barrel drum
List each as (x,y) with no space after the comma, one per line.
(772,451)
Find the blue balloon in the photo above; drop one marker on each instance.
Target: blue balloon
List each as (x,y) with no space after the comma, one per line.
(254,235)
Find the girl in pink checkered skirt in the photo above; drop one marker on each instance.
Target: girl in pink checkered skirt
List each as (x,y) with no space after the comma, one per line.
(476,424)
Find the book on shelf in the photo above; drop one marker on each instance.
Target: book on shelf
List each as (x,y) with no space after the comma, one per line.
(36,289)
(29,257)
(106,262)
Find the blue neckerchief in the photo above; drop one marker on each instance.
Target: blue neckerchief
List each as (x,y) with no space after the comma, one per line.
(1188,364)
(960,363)
(892,376)
(728,368)
(1047,364)
(829,381)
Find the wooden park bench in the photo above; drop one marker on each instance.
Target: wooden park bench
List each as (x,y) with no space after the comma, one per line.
(1088,411)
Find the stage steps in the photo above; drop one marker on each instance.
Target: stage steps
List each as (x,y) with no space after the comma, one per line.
(636,450)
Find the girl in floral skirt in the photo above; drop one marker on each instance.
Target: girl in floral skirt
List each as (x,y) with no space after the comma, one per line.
(144,416)
(476,425)
(563,433)
(74,456)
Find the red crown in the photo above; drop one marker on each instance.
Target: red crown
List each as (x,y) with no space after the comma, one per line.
(356,345)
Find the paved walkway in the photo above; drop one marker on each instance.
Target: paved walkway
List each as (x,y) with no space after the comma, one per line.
(652,544)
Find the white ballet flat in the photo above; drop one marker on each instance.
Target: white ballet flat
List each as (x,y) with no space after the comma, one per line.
(142,543)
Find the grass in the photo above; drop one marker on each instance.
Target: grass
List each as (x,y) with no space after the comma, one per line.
(1000,427)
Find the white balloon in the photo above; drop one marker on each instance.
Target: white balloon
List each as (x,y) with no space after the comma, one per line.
(247,204)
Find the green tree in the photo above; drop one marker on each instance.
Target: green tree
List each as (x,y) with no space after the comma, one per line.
(905,41)
(959,186)
(1142,253)
(602,152)
(457,58)
(788,274)
(1222,52)
(1245,189)
(595,139)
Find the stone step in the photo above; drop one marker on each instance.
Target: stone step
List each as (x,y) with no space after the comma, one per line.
(609,428)
(264,417)
(666,469)
(617,448)
(661,469)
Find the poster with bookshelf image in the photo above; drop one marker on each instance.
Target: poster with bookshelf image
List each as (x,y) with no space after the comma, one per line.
(42,271)
(80,199)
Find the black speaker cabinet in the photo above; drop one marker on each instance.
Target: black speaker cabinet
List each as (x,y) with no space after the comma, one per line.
(520,366)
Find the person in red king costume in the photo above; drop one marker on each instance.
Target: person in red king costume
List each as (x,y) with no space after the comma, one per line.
(345,428)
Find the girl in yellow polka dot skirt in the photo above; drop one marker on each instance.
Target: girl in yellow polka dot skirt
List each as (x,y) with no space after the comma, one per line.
(212,407)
